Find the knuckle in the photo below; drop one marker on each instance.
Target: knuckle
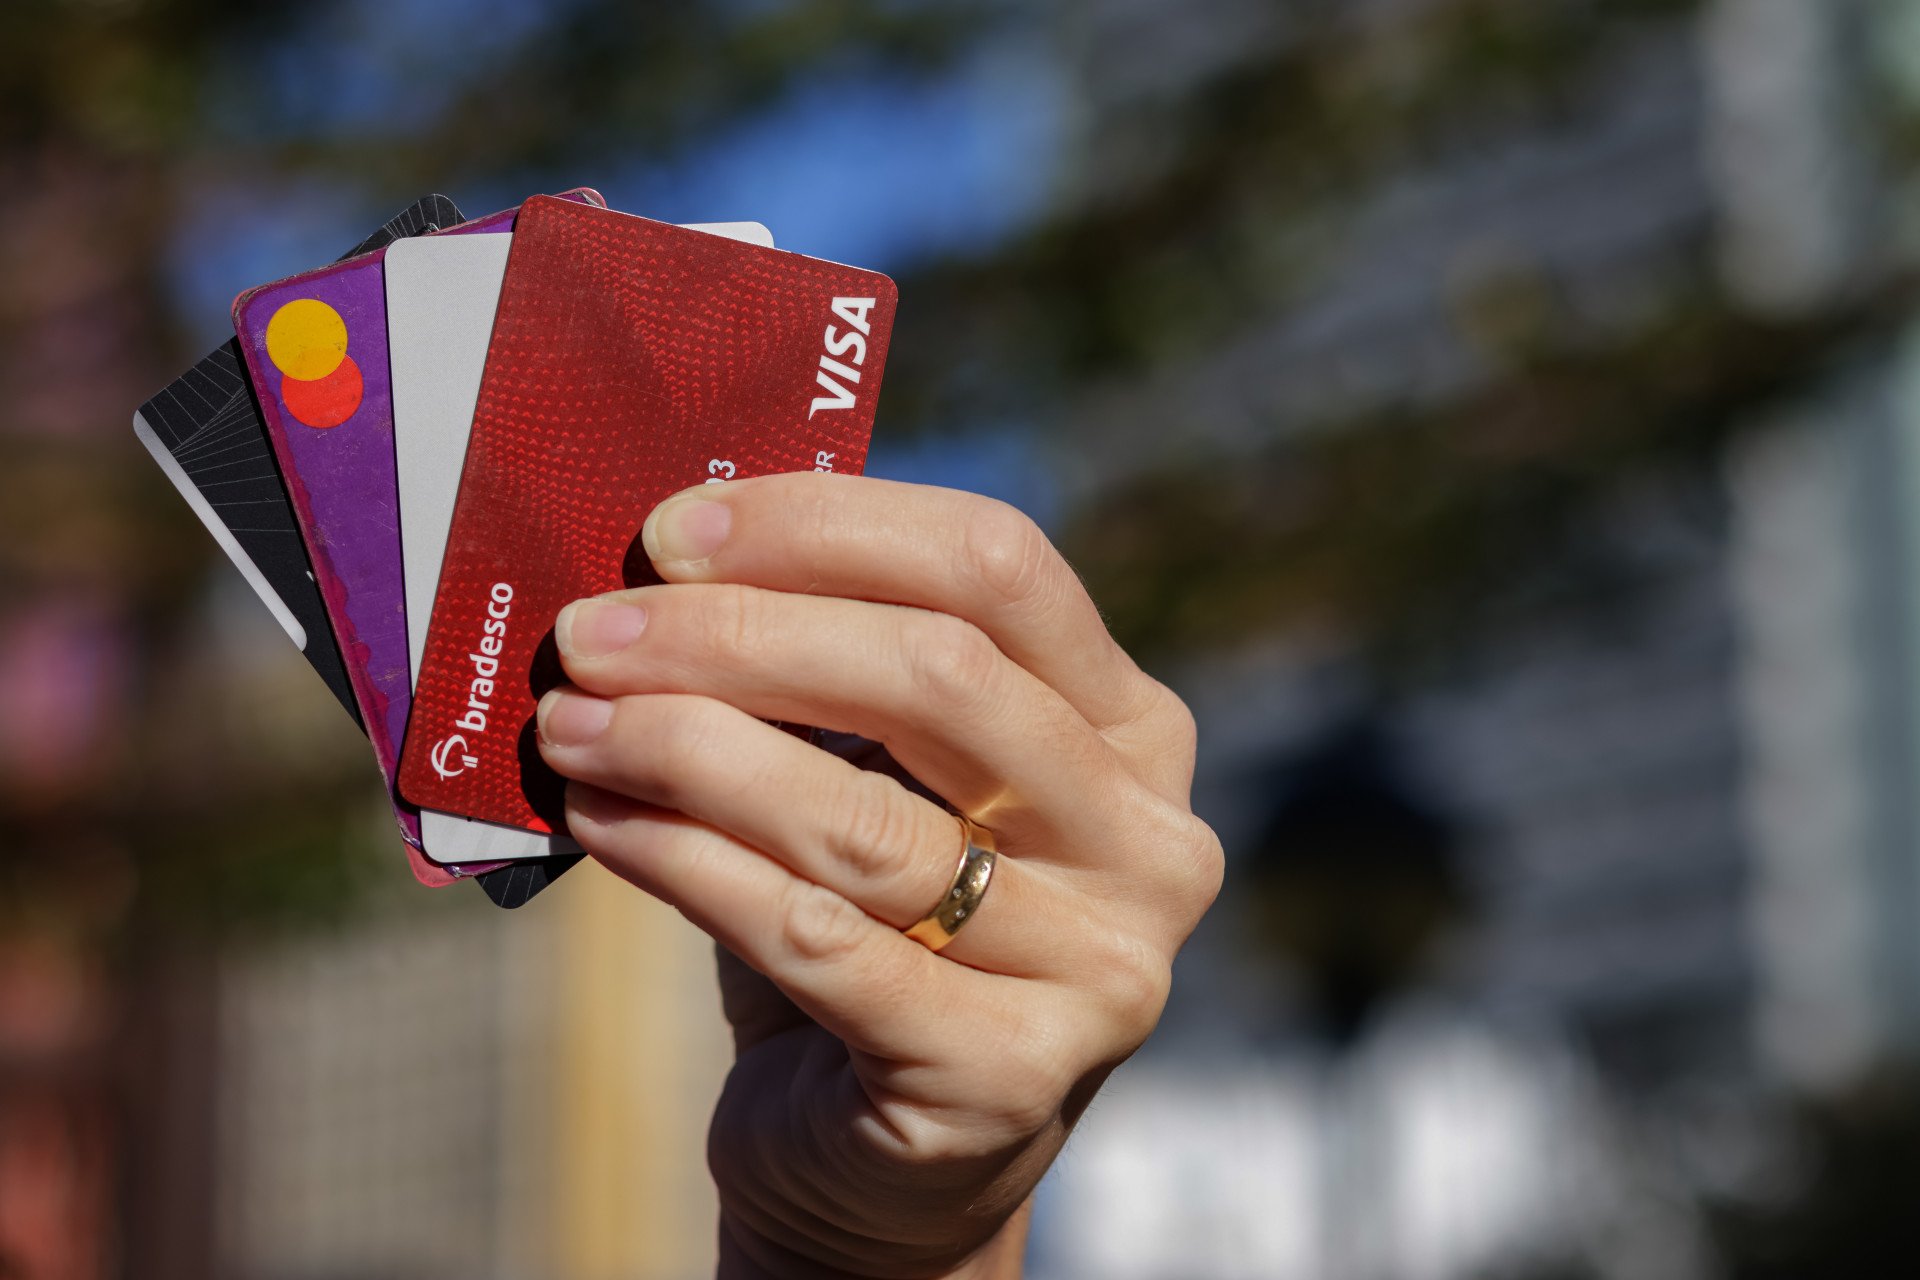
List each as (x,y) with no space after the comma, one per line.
(697,852)
(1186,863)
(952,661)
(1031,1113)
(669,743)
(1195,869)
(1183,731)
(878,835)
(739,627)
(1193,863)
(818,926)
(1031,1075)
(1134,981)
(1208,861)
(814,515)
(1005,553)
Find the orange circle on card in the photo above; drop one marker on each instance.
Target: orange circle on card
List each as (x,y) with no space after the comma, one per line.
(324,402)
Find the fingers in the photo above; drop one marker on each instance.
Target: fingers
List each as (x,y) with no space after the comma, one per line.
(950,1060)
(873,987)
(980,731)
(937,549)
(861,835)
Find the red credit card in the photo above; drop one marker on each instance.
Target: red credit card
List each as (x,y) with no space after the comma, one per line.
(630,360)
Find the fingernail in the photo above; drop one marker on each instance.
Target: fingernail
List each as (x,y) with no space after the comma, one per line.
(570,719)
(596,628)
(686,528)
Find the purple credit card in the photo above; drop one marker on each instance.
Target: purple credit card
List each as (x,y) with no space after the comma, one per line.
(315,347)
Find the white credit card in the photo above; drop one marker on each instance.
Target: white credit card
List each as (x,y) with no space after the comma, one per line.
(441,296)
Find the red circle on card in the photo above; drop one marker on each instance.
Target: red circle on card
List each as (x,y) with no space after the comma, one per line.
(324,402)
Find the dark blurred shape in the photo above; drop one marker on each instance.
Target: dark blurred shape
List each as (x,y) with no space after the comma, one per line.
(636,567)
(1354,876)
(514,885)
(1854,1215)
(545,790)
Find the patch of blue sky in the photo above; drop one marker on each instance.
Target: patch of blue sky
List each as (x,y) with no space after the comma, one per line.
(1002,461)
(240,236)
(881,171)
(885,173)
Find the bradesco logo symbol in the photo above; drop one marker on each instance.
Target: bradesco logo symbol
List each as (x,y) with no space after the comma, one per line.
(443,752)
(453,755)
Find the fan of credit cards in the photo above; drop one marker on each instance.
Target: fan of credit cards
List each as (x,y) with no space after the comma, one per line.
(418,454)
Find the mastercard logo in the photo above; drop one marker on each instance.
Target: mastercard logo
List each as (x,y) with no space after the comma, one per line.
(320,384)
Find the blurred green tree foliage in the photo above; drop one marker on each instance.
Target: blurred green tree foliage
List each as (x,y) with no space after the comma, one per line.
(1391,527)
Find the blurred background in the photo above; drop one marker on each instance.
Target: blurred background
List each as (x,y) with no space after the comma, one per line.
(1499,418)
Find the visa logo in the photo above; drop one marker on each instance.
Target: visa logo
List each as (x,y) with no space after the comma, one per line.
(839,377)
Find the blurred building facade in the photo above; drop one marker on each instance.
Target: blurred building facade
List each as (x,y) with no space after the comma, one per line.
(1686,786)
(430,1094)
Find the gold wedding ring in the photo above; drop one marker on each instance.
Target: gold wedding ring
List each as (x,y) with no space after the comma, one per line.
(962,900)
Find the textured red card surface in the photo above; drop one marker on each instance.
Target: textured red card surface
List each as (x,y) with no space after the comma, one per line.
(630,359)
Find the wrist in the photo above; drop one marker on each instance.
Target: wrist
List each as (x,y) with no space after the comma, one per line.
(747,1255)
(1004,1256)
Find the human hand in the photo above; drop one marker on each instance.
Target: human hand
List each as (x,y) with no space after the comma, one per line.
(890,1108)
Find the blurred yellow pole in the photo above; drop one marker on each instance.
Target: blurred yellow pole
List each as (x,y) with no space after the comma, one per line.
(639,1052)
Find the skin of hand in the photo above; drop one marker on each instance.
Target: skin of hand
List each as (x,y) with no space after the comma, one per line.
(890,1109)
